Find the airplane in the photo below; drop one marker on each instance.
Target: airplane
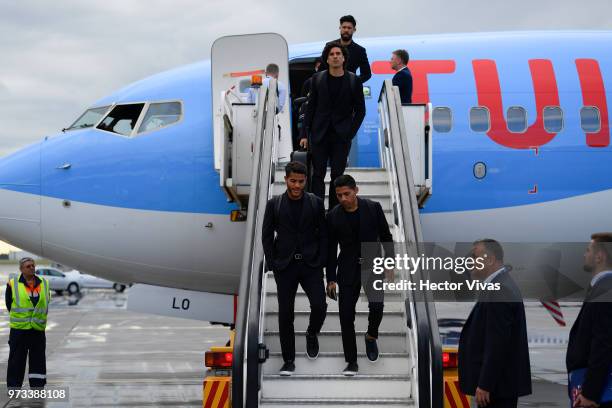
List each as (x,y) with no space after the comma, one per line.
(521,152)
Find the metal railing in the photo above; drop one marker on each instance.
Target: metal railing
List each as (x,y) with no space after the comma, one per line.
(419,305)
(246,366)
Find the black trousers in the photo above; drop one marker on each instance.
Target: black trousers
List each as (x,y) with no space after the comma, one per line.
(287,280)
(335,151)
(347,301)
(22,343)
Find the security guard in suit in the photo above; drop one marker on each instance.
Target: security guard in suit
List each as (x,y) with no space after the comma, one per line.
(590,340)
(27,300)
(493,351)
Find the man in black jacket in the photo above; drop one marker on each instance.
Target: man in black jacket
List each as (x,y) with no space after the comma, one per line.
(335,110)
(357,55)
(352,223)
(493,351)
(296,255)
(402,78)
(590,341)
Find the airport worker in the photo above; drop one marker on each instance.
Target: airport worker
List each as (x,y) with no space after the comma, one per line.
(296,255)
(272,71)
(336,108)
(402,78)
(589,351)
(27,299)
(493,352)
(357,55)
(351,224)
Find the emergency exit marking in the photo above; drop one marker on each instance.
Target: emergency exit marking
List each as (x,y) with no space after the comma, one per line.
(184,304)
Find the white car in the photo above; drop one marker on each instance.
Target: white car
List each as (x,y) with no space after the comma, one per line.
(73,281)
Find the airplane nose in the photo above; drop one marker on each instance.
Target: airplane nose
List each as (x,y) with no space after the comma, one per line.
(20,199)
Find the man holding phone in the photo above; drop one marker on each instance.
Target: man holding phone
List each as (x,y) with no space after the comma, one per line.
(356,221)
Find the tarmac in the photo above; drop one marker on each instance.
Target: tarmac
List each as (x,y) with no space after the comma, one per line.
(108,356)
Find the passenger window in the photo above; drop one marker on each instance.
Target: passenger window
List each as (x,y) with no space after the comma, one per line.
(442,119)
(479,119)
(516,119)
(122,119)
(553,119)
(89,118)
(589,119)
(160,115)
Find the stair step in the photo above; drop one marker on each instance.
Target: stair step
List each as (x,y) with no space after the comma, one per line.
(388,341)
(360,174)
(393,302)
(392,320)
(372,386)
(334,363)
(326,402)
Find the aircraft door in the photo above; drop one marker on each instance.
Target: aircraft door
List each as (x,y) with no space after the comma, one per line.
(237,64)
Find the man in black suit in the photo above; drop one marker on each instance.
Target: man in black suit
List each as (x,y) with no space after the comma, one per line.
(296,256)
(357,55)
(590,341)
(335,110)
(354,222)
(402,78)
(493,352)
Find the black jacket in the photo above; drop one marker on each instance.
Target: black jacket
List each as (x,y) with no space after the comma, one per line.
(309,235)
(344,116)
(493,350)
(403,80)
(358,58)
(373,227)
(590,340)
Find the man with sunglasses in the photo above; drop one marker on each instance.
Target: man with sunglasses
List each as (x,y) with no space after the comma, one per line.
(27,299)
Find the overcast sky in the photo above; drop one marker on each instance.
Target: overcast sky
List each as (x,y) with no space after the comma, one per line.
(58,57)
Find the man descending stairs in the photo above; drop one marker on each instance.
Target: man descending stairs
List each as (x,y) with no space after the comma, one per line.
(321,381)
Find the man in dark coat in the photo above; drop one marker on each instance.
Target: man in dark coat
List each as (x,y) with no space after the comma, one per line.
(296,255)
(590,341)
(336,108)
(359,226)
(358,57)
(493,351)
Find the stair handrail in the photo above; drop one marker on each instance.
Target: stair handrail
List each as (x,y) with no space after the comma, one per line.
(429,346)
(249,294)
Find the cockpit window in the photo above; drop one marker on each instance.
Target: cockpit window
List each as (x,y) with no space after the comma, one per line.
(89,118)
(122,119)
(160,115)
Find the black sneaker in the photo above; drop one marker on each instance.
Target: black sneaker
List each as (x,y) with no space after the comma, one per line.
(287,369)
(312,346)
(371,349)
(351,369)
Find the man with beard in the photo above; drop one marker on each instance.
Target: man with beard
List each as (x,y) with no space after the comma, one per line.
(589,351)
(358,58)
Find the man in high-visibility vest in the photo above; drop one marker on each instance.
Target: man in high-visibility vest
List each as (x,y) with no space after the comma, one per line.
(27,300)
